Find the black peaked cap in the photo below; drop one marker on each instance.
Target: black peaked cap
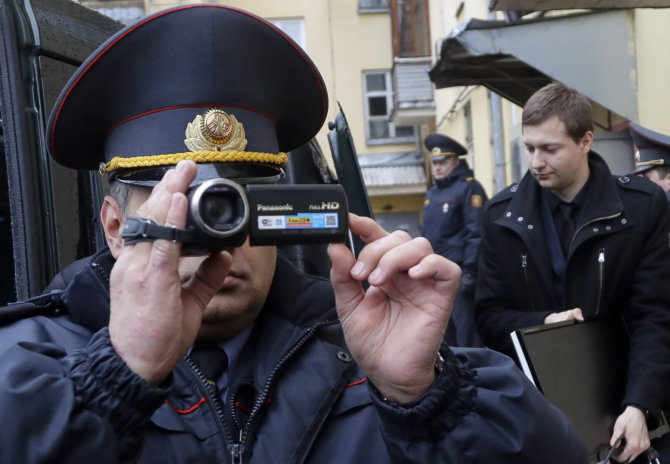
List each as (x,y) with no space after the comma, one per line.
(440,147)
(652,148)
(136,93)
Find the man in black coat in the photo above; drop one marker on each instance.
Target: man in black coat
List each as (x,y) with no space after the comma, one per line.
(571,241)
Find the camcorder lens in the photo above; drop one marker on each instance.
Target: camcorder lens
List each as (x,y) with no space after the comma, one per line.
(221,209)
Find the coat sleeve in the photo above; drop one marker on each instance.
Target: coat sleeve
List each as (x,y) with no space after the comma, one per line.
(473,203)
(481,409)
(648,315)
(87,406)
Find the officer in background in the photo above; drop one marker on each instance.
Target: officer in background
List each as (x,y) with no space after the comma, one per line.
(652,156)
(451,222)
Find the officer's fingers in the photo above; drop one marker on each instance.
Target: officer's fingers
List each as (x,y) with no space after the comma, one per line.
(370,256)
(415,255)
(174,181)
(366,228)
(165,253)
(348,291)
(577,314)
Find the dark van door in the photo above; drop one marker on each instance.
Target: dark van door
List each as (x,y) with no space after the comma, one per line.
(48,214)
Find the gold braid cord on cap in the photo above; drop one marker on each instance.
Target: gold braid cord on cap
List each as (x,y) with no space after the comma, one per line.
(657,162)
(279,159)
(213,137)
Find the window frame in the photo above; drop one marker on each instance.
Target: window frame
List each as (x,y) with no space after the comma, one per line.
(382,6)
(392,139)
(396,32)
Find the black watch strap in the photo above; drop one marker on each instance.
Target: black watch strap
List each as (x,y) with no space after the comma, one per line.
(137,229)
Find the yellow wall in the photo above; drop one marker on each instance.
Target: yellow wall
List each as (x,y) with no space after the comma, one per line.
(653,67)
(397,204)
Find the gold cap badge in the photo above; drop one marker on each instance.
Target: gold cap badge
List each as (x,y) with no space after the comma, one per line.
(215,130)
(436,151)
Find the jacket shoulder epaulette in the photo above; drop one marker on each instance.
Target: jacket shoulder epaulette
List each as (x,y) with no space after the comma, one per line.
(636,183)
(505,194)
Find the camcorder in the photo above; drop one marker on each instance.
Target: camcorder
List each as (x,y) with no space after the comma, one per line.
(223,213)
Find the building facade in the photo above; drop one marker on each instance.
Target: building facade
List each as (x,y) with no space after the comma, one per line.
(401,69)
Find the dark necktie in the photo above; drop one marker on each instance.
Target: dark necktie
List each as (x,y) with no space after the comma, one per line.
(212,361)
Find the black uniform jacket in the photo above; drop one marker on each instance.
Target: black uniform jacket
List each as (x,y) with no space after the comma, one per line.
(618,263)
(296,395)
(452,216)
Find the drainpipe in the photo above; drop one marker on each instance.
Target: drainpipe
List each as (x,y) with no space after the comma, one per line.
(498,148)
(497,125)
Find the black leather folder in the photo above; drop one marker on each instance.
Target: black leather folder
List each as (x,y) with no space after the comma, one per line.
(581,368)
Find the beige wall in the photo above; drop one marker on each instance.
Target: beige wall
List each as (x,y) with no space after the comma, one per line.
(653,67)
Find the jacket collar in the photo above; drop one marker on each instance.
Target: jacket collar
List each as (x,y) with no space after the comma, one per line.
(603,200)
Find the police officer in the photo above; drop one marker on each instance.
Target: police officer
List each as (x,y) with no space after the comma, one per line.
(202,92)
(652,156)
(451,222)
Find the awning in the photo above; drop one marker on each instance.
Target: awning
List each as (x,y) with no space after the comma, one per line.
(593,52)
(545,5)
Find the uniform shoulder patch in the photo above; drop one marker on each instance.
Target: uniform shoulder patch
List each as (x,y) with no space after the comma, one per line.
(469,179)
(476,201)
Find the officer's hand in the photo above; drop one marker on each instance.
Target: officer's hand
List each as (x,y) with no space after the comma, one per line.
(395,328)
(154,317)
(575,313)
(633,426)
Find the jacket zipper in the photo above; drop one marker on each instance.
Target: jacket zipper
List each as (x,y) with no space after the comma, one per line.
(213,400)
(262,400)
(237,448)
(601,276)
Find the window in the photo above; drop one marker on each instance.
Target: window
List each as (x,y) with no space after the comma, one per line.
(294,28)
(126,11)
(373,6)
(409,23)
(378,106)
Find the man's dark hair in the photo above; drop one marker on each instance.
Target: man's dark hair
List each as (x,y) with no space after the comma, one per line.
(557,99)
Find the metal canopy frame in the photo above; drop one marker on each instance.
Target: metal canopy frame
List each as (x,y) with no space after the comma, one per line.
(546,5)
(593,52)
